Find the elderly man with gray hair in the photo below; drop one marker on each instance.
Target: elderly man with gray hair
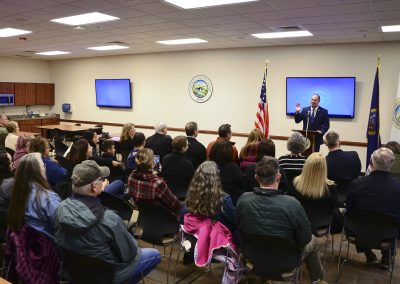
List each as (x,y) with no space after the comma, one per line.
(378,192)
(84,226)
(160,142)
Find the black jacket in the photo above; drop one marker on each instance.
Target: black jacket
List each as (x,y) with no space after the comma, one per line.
(161,144)
(196,152)
(321,121)
(378,192)
(232,180)
(177,172)
(343,166)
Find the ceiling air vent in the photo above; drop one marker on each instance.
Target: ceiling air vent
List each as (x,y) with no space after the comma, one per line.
(19,55)
(117,42)
(287,29)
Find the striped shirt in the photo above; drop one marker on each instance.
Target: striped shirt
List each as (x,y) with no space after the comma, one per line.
(292,162)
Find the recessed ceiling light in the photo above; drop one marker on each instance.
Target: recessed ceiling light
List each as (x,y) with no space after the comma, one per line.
(56,52)
(283,34)
(390,29)
(182,41)
(108,47)
(185,4)
(12,32)
(85,19)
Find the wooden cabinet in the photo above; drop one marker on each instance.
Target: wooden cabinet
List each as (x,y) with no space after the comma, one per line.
(6,88)
(44,94)
(29,125)
(25,94)
(50,121)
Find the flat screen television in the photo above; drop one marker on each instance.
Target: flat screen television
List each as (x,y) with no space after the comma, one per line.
(337,94)
(115,93)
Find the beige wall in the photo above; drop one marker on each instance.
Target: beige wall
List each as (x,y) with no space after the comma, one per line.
(24,70)
(160,86)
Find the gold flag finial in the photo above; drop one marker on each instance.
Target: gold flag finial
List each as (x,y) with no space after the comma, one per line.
(267,61)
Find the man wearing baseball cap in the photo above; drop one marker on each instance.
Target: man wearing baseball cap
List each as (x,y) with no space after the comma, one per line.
(85,227)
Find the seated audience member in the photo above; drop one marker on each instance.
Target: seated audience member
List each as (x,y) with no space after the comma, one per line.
(343,166)
(139,140)
(196,153)
(206,197)
(248,153)
(13,134)
(224,134)
(395,147)
(74,139)
(160,142)
(22,148)
(32,202)
(177,171)
(231,175)
(126,138)
(54,172)
(6,181)
(265,148)
(82,151)
(116,171)
(313,187)
(267,211)
(144,184)
(294,161)
(93,140)
(378,192)
(3,123)
(84,226)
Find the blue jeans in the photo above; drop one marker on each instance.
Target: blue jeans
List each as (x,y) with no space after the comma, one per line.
(117,187)
(148,261)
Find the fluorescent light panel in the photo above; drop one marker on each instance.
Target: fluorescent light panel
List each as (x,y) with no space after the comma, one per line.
(390,29)
(12,32)
(182,41)
(49,53)
(283,34)
(85,19)
(108,47)
(191,4)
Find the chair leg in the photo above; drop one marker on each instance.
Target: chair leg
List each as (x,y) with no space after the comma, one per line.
(170,256)
(340,253)
(326,248)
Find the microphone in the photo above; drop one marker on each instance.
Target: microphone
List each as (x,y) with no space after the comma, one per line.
(308,113)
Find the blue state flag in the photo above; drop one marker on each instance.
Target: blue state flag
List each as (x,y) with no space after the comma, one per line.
(373,137)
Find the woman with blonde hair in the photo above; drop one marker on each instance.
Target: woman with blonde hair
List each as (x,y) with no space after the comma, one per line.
(126,138)
(313,186)
(248,152)
(207,198)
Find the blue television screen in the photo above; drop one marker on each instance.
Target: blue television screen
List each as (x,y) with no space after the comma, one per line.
(113,93)
(337,94)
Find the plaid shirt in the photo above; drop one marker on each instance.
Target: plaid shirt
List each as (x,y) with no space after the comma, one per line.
(148,186)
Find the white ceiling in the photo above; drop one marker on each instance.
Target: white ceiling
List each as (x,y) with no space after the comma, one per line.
(143,22)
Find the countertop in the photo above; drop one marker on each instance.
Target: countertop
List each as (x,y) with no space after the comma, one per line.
(17,117)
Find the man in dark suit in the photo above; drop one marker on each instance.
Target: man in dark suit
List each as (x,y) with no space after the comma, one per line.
(160,142)
(343,166)
(315,117)
(378,192)
(196,153)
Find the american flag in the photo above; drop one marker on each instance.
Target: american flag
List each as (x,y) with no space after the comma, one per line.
(262,116)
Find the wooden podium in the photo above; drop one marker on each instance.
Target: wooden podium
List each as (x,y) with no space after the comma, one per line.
(311,140)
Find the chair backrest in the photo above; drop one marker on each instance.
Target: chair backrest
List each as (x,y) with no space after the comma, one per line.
(64,162)
(117,204)
(60,147)
(3,225)
(178,185)
(3,137)
(271,256)
(10,151)
(156,222)
(320,216)
(369,228)
(84,269)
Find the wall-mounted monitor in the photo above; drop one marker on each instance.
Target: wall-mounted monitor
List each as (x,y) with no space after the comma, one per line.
(115,93)
(337,94)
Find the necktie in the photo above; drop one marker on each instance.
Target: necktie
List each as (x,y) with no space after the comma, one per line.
(312,116)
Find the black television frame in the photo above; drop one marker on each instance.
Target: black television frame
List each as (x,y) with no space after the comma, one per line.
(330,115)
(111,106)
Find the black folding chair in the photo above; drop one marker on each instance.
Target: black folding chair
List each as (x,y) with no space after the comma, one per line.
(11,152)
(369,229)
(64,162)
(157,226)
(85,270)
(60,148)
(178,186)
(272,257)
(123,209)
(320,217)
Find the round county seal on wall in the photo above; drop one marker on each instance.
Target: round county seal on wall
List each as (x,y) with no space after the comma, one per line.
(200,89)
(396,114)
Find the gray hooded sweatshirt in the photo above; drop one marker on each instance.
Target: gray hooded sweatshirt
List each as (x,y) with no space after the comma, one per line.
(82,225)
